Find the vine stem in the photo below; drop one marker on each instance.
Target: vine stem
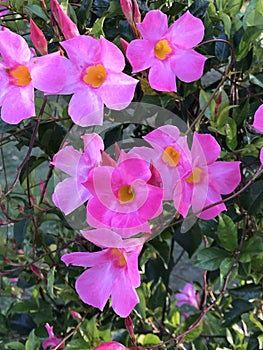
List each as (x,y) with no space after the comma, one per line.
(229,68)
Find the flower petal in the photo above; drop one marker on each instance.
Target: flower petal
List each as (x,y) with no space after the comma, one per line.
(86,108)
(258,119)
(111,56)
(205,148)
(94,285)
(118,90)
(261,156)
(25,97)
(82,50)
(50,74)
(13,48)
(161,76)
(140,54)
(67,160)
(63,198)
(86,259)
(186,32)
(154,25)
(187,65)
(211,198)
(224,177)
(124,297)
(103,237)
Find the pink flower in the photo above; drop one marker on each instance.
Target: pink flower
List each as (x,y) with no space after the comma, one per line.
(77,165)
(258,119)
(3,10)
(122,197)
(112,345)
(75,314)
(52,340)
(18,75)
(94,77)
(38,38)
(113,271)
(168,52)
(207,179)
(170,155)
(187,296)
(68,28)
(261,156)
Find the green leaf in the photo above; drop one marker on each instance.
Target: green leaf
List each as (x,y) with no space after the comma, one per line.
(195,332)
(149,339)
(32,164)
(249,291)
(211,258)
(14,345)
(238,307)
(227,232)
(50,282)
(20,228)
(162,249)
(98,27)
(189,240)
(231,134)
(33,342)
(37,10)
(252,197)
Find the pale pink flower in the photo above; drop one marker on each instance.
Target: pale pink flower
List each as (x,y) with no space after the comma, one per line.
(52,340)
(187,296)
(38,38)
(113,271)
(258,119)
(168,52)
(18,75)
(95,78)
(206,180)
(123,197)
(70,193)
(67,26)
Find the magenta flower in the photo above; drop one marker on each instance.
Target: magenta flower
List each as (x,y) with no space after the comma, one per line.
(261,156)
(111,345)
(258,119)
(77,165)
(52,340)
(18,75)
(170,156)
(168,52)
(94,77)
(207,179)
(122,197)
(113,271)
(187,296)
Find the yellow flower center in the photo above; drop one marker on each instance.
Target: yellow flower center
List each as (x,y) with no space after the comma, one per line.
(162,49)
(121,261)
(95,75)
(21,75)
(195,176)
(171,156)
(126,194)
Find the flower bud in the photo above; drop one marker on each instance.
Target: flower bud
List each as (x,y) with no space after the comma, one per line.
(38,38)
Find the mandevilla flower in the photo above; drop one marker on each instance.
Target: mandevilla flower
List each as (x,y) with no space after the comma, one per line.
(258,119)
(187,296)
(261,156)
(94,77)
(168,52)
(113,271)
(3,10)
(207,179)
(170,155)
(19,76)
(123,197)
(78,165)
(112,345)
(52,340)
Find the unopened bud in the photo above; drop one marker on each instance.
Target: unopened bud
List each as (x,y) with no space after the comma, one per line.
(38,38)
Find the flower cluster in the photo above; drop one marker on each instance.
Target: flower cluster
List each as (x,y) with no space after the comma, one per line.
(125,194)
